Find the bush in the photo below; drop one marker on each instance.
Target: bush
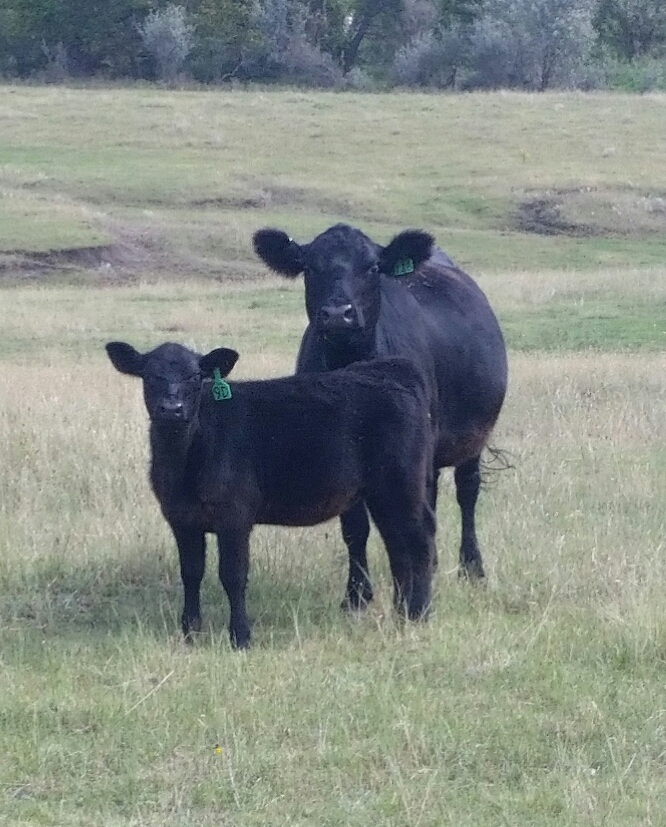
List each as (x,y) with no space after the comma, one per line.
(284,52)
(644,74)
(431,60)
(57,63)
(168,37)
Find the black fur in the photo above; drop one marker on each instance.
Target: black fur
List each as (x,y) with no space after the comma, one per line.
(294,451)
(363,301)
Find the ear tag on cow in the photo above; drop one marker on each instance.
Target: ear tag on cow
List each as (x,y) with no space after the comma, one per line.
(221,389)
(403,267)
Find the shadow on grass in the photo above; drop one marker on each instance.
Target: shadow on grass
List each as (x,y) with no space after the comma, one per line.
(146,596)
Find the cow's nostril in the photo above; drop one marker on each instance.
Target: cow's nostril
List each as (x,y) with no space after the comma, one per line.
(337,316)
(171,408)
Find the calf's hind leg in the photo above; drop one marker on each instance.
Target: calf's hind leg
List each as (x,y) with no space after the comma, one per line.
(234,566)
(410,544)
(355,531)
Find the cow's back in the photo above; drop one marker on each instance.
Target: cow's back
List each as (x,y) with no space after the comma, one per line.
(466,344)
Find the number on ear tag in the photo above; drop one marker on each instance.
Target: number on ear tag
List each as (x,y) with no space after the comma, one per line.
(221,389)
(403,267)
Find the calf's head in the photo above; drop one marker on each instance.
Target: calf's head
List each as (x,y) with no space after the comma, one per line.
(342,269)
(173,377)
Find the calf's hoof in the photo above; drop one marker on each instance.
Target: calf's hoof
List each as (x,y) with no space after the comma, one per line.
(357,600)
(191,626)
(240,638)
(471,570)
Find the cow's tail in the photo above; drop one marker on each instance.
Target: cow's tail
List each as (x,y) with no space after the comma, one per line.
(493,462)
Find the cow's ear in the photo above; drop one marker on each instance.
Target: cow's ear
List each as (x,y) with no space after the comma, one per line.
(222,358)
(279,252)
(125,358)
(405,252)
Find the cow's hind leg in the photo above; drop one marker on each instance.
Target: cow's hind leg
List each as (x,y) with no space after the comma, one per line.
(432,499)
(468,482)
(410,544)
(355,531)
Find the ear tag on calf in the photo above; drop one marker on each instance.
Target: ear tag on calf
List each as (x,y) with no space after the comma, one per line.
(403,267)
(221,389)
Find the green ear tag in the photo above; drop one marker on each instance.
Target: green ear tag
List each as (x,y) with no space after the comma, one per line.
(221,389)
(404,267)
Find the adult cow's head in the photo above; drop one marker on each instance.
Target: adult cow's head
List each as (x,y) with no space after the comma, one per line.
(342,269)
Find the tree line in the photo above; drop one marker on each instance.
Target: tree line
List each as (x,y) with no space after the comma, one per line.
(366,44)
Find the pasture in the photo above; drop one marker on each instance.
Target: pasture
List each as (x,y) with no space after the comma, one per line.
(537,698)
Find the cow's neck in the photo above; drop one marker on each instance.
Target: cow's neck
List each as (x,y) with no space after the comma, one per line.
(340,353)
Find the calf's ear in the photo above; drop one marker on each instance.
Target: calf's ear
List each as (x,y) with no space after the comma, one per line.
(405,252)
(125,358)
(222,358)
(279,252)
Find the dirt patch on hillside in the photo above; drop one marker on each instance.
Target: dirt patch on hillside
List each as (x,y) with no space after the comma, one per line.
(544,217)
(593,211)
(138,251)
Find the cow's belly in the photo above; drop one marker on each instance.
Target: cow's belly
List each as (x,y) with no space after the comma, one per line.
(455,450)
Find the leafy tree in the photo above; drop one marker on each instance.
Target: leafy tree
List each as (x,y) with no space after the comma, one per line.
(530,43)
(97,36)
(225,31)
(631,28)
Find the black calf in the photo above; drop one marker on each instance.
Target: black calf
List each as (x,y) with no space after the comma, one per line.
(295,451)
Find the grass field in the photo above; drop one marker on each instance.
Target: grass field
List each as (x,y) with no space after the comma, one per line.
(537,699)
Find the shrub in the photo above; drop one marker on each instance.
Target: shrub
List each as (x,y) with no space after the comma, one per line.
(644,74)
(283,50)
(431,59)
(168,37)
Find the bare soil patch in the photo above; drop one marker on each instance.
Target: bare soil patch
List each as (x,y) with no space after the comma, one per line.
(138,251)
(593,211)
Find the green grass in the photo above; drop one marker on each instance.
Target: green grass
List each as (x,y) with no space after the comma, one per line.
(537,699)
(591,322)
(184,178)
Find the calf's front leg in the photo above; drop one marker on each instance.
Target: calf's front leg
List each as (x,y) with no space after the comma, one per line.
(192,552)
(234,566)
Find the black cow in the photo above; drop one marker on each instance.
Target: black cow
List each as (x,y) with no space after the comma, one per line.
(406,299)
(295,451)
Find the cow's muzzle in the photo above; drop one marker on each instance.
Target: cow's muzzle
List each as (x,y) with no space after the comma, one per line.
(337,317)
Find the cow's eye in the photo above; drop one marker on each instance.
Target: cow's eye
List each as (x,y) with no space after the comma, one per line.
(373,270)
